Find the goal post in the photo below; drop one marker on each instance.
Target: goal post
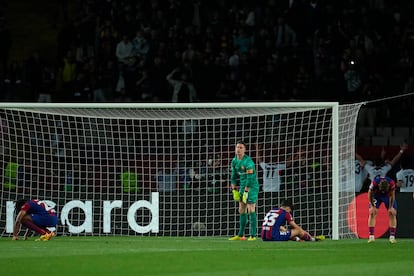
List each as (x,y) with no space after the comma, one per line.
(163,169)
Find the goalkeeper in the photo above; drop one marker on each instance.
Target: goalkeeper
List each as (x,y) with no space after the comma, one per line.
(243,169)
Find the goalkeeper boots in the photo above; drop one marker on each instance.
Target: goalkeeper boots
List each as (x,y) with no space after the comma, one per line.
(251,238)
(237,238)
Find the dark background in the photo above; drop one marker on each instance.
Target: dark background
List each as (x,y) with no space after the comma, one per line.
(346,51)
(405,223)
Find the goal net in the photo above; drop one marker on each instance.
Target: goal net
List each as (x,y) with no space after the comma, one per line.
(163,169)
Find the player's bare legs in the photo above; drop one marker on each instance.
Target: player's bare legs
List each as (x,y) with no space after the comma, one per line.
(28,222)
(242,207)
(392,214)
(372,218)
(302,234)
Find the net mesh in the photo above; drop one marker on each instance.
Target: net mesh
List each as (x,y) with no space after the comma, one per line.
(165,171)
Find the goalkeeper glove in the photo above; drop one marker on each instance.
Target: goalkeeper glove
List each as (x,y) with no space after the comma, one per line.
(245,197)
(236,195)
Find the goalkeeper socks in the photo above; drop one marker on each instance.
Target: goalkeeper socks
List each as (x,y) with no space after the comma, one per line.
(243,223)
(253,224)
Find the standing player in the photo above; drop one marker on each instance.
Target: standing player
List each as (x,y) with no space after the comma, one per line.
(380,169)
(361,173)
(382,189)
(273,228)
(271,172)
(243,171)
(405,177)
(36,215)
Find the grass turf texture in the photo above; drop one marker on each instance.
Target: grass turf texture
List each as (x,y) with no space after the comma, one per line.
(202,256)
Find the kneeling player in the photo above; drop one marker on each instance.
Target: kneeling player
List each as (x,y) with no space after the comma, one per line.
(273,228)
(37,216)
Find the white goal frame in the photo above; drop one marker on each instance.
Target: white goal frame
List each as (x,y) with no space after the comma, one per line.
(5,214)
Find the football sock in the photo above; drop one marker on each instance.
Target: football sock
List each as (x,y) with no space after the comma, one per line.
(243,223)
(253,224)
(392,231)
(371,230)
(306,237)
(29,224)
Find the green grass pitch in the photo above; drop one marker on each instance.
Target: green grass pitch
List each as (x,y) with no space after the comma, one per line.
(202,256)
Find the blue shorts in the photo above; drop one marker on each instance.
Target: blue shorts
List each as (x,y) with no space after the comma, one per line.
(279,236)
(44,220)
(380,199)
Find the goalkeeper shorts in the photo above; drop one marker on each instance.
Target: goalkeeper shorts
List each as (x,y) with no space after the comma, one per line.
(253,195)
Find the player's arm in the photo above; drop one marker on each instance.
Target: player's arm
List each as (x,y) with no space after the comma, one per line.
(17,224)
(383,153)
(170,76)
(292,158)
(235,192)
(360,159)
(259,153)
(233,184)
(233,177)
(282,228)
(400,179)
(397,157)
(289,160)
(250,178)
(293,224)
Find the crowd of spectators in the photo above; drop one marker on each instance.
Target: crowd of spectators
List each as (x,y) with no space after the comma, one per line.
(223,50)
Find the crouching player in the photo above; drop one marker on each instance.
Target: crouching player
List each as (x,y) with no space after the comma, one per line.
(273,228)
(36,215)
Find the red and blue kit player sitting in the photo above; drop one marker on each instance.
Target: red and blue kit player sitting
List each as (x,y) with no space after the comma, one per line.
(36,215)
(274,226)
(382,189)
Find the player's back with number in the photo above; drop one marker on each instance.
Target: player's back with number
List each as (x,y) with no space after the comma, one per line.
(271,176)
(405,179)
(273,220)
(361,174)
